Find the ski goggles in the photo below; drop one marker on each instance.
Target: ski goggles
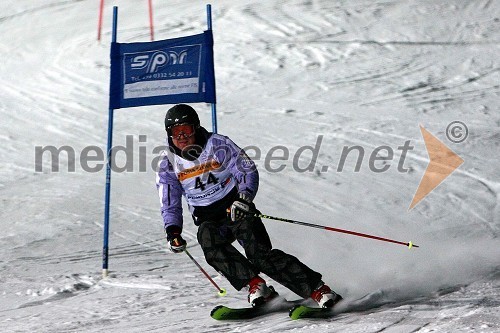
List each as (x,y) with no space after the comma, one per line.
(182,131)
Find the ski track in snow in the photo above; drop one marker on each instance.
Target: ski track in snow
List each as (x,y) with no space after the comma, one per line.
(364,73)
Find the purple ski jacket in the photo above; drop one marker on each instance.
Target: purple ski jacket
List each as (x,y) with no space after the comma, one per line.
(221,168)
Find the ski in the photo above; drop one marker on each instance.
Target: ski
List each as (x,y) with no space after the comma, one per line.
(304,311)
(222,312)
(369,301)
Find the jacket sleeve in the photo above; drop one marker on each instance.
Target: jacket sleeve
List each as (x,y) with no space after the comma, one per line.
(170,193)
(242,168)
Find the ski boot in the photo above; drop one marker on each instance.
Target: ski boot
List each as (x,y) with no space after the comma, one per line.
(325,297)
(259,293)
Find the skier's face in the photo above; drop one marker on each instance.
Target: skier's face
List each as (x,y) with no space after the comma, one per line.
(183,135)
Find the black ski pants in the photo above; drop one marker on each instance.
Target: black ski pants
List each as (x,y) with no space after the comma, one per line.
(216,238)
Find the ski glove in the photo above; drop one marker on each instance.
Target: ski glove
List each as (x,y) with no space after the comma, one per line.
(177,244)
(241,207)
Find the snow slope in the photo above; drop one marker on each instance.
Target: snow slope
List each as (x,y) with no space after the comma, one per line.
(363,73)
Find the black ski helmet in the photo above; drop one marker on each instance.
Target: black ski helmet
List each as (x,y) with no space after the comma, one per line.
(181,114)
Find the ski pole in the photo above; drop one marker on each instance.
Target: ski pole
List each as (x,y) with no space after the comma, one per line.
(222,291)
(409,244)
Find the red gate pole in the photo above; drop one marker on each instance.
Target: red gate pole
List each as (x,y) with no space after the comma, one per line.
(99,24)
(151,25)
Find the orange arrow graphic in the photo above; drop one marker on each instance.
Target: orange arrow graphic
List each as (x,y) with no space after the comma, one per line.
(443,161)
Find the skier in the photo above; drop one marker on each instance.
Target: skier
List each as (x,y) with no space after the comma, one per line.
(219,182)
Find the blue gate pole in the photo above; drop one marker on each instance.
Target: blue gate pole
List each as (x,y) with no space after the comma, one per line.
(105,249)
(214,110)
